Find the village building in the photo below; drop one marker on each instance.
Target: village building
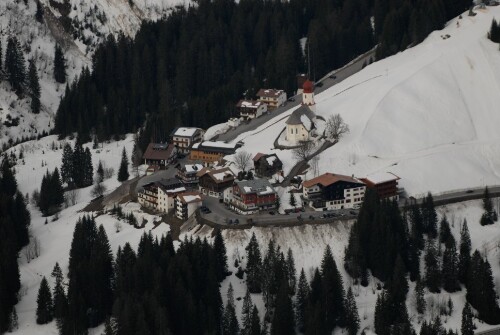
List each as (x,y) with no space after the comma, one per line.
(148,196)
(186,204)
(234,122)
(160,154)
(301,124)
(184,137)
(212,151)
(188,173)
(251,196)
(266,166)
(273,98)
(384,183)
(213,182)
(333,191)
(251,109)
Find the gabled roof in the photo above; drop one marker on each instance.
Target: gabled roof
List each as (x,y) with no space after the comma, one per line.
(329,179)
(217,175)
(270,93)
(158,151)
(169,183)
(297,115)
(257,186)
(258,156)
(249,104)
(185,131)
(380,178)
(189,197)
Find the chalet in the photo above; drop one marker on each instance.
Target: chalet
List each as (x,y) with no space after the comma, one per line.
(250,196)
(184,137)
(213,182)
(148,196)
(160,154)
(186,204)
(266,165)
(251,109)
(187,173)
(384,183)
(272,98)
(333,191)
(167,191)
(301,124)
(212,151)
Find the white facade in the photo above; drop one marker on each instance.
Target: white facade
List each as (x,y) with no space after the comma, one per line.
(166,199)
(273,98)
(184,137)
(353,199)
(185,206)
(308,99)
(228,195)
(234,122)
(296,133)
(254,111)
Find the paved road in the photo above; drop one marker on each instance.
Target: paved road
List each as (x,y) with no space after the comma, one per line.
(221,214)
(461,195)
(495,331)
(340,74)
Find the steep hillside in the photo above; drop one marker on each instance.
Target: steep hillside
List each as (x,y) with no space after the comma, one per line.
(78,26)
(429,114)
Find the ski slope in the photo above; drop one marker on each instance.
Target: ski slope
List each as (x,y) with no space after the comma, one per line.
(429,114)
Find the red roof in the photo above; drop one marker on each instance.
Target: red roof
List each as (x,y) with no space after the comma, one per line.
(328,179)
(258,156)
(308,86)
(158,151)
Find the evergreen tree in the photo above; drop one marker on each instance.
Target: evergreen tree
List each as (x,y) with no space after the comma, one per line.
(59,65)
(14,65)
(468,326)
(464,253)
(283,322)
(100,172)
(254,266)
(481,290)
(44,310)
(220,256)
(230,324)
(302,300)
(352,317)
(489,216)
(247,314)
(13,321)
(293,201)
(88,169)
(39,12)
(432,271)
(67,164)
(255,330)
(34,86)
(445,235)
(419,297)
(354,260)
(333,290)
(450,268)
(291,272)
(429,216)
(59,296)
(123,171)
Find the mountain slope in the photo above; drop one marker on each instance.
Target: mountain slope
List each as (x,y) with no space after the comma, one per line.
(429,114)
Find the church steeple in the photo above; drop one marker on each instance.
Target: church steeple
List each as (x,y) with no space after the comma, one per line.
(308,95)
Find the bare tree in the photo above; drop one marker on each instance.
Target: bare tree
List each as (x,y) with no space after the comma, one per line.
(98,190)
(242,160)
(336,127)
(315,165)
(32,250)
(71,197)
(136,159)
(303,151)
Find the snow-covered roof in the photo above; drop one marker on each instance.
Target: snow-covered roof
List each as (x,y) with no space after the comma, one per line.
(257,186)
(306,122)
(185,131)
(271,159)
(190,197)
(222,175)
(249,104)
(381,177)
(190,168)
(270,93)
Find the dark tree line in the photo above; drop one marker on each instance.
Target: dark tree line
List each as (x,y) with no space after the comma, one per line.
(14,223)
(193,66)
(77,169)
(494,33)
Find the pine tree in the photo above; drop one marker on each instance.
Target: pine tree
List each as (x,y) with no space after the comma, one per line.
(220,256)
(67,164)
(432,271)
(254,266)
(14,65)
(34,86)
(293,201)
(419,297)
(352,317)
(291,272)
(13,321)
(247,314)
(465,251)
(429,216)
(489,216)
(57,189)
(302,300)
(467,320)
(59,65)
(88,169)
(39,12)
(230,325)
(283,322)
(450,269)
(333,289)
(59,296)
(123,171)
(100,172)
(44,310)
(445,235)
(255,330)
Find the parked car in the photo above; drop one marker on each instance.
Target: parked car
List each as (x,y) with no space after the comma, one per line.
(320,84)
(236,221)
(352,212)
(299,217)
(291,99)
(271,213)
(469,191)
(332,76)
(230,221)
(208,211)
(311,217)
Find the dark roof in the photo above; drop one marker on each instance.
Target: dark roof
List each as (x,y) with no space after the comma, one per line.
(296,115)
(330,178)
(258,156)
(158,151)
(269,92)
(169,183)
(217,175)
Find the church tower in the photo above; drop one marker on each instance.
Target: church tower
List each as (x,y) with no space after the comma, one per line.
(308,95)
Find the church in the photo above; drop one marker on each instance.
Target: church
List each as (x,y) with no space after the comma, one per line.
(301,124)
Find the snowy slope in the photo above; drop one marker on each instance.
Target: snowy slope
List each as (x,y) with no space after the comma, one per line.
(429,114)
(90,21)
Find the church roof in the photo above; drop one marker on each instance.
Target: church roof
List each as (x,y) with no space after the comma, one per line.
(297,116)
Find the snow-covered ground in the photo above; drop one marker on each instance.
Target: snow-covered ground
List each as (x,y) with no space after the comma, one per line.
(429,114)
(308,243)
